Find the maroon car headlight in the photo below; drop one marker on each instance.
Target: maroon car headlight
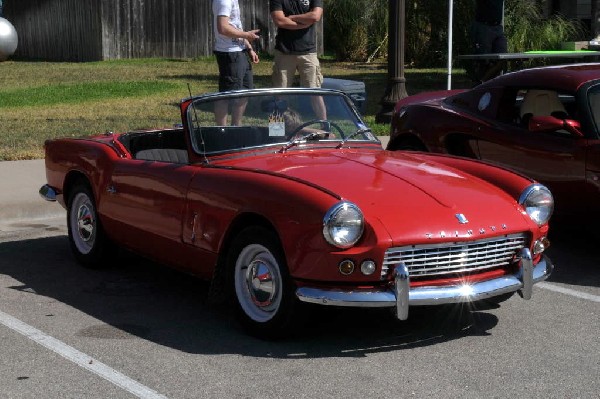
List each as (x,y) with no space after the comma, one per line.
(538,203)
(343,224)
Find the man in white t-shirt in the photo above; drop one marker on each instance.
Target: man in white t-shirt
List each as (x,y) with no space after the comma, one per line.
(232,49)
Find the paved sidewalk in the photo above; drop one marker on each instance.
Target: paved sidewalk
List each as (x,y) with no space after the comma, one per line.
(20,182)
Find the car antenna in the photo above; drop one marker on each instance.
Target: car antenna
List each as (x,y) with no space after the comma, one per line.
(196,120)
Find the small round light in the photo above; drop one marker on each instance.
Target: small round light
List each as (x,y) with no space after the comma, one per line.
(346,267)
(368,267)
(546,242)
(538,247)
(541,245)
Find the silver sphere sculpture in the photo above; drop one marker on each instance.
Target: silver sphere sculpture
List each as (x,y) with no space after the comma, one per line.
(8,39)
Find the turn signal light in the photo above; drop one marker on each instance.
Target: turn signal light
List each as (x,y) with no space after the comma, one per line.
(346,267)
(541,245)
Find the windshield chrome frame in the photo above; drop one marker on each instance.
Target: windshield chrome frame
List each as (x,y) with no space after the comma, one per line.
(233,94)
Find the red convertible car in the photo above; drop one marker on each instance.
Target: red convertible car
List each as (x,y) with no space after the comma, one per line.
(541,122)
(284,196)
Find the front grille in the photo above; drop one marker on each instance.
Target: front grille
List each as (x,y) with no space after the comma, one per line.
(456,257)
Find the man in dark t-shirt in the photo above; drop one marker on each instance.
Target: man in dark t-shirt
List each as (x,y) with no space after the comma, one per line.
(295,43)
(488,33)
(488,36)
(295,46)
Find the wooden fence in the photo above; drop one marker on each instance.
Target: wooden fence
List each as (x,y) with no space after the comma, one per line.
(92,30)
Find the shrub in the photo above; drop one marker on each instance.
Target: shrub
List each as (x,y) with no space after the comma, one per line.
(526,29)
(356,29)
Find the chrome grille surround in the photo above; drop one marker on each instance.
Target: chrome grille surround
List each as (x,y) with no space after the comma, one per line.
(454,257)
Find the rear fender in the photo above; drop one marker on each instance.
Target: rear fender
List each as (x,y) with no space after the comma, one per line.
(69,160)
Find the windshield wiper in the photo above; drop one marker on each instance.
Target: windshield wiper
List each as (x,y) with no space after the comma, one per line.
(305,137)
(359,131)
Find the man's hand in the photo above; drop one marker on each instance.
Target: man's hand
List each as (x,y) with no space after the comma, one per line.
(253,56)
(251,35)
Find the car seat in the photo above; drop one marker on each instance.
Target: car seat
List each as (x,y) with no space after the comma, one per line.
(541,103)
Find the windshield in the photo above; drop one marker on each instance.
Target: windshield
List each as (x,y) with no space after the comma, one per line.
(248,119)
(594,101)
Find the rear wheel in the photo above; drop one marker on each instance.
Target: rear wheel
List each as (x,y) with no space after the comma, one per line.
(86,235)
(264,295)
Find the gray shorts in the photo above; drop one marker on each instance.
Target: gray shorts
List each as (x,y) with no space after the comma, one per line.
(235,71)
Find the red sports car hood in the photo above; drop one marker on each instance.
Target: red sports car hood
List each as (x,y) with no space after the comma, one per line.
(411,196)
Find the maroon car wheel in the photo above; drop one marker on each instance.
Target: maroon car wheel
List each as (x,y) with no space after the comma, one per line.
(264,295)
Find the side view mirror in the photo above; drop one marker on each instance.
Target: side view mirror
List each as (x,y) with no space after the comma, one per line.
(550,123)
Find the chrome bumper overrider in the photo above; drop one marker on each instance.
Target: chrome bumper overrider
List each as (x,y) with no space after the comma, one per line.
(402,296)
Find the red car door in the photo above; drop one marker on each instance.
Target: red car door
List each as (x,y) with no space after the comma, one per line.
(144,205)
(593,178)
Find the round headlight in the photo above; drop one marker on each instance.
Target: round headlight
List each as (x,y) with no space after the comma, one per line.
(538,203)
(343,225)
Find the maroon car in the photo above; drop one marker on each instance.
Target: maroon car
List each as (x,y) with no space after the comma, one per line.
(542,122)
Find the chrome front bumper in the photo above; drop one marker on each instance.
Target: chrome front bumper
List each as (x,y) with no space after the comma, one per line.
(402,296)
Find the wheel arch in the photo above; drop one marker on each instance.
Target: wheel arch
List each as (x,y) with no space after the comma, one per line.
(241,222)
(72,178)
(410,138)
(461,144)
(218,285)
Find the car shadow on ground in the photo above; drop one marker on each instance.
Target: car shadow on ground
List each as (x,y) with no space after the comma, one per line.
(135,297)
(573,252)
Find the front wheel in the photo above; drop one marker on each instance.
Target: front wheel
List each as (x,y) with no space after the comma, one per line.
(87,239)
(264,294)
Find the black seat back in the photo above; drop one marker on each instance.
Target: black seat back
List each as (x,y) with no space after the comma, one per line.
(227,138)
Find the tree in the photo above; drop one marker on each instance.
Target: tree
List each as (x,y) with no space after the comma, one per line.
(596,18)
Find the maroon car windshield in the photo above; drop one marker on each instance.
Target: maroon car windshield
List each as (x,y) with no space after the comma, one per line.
(594,102)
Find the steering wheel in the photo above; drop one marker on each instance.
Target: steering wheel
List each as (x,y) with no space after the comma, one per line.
(322,122)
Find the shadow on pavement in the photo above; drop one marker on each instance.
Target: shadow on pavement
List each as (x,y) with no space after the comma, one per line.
(137,297)
(576,261)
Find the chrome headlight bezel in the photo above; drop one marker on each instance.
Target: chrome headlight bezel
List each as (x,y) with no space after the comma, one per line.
(343,225)
(538,203)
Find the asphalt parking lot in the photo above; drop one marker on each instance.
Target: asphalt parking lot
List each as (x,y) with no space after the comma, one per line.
(138,329)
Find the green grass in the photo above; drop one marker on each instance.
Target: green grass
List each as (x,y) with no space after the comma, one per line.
(42,100)
(74,93)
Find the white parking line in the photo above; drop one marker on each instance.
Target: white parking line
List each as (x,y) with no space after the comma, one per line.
(567,291)
(79,358)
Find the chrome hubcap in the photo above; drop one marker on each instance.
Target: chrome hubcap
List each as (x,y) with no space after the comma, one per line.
(258,283)
(85,223)
(82,223)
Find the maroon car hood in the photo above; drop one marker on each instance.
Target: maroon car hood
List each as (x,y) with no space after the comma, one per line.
(405,192)
(428,96)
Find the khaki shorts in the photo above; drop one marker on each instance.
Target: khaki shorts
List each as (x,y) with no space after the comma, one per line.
(286,65)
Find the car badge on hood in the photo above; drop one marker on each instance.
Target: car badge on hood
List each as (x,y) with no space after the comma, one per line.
(461,218)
